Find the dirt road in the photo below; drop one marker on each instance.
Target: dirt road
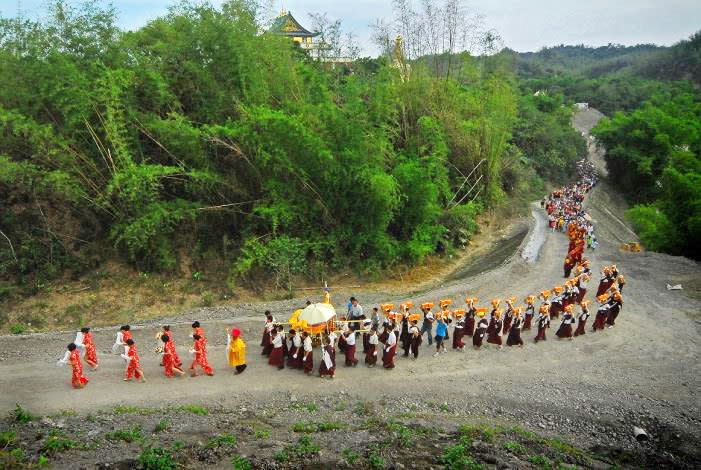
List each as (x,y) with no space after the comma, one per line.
(645,371)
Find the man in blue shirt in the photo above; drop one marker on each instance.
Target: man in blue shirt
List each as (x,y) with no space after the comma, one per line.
(441,332)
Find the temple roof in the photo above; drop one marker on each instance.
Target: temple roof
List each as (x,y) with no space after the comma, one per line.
(287,25)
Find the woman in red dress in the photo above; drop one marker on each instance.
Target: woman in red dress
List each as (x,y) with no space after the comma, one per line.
(78,380)
(133,363)
(90,349)
(200,351)
(170,357)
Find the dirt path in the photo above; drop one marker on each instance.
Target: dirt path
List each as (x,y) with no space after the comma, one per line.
(644,371)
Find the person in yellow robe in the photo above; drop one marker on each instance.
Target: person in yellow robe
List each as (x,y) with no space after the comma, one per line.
(236,350)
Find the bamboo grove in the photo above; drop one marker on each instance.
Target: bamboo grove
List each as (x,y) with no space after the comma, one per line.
(200,137)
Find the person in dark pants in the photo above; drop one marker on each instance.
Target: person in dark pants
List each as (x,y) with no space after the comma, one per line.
(427,325)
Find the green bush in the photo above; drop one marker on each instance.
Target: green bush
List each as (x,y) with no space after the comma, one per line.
(17,329)
(20,415)
(155,458)
(126,435)
(241,463)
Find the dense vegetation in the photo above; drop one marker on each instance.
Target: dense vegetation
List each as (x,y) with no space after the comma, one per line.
(653,136)
(197,139)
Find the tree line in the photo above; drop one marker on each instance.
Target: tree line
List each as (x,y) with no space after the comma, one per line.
(200,139)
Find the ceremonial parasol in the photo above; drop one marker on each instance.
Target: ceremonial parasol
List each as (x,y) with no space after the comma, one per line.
(317,313)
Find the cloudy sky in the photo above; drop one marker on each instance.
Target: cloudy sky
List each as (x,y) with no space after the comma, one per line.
(525,25)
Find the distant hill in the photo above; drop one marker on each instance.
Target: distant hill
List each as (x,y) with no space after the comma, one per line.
(681,61)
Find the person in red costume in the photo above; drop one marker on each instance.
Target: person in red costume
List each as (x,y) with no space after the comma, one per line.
(72,356)
(200,352)
(170,358)
(131,355)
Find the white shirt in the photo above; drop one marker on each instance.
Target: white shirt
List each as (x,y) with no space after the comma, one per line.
(391,341)
(350,339)
(277,341)
(413,330)
(374,339)
(307,344)
(297,341)
(355,311)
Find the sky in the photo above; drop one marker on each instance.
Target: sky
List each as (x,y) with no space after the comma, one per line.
(524,25)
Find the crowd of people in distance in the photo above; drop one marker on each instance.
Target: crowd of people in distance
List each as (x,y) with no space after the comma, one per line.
(564,205)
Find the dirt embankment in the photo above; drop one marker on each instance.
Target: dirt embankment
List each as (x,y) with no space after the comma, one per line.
(581,398)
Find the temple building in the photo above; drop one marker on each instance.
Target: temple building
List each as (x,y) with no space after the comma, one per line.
(287,25)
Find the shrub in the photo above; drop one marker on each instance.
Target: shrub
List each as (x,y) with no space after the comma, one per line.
(126,435)
(161,426)
(224,440)
(196,410)
(457,458)
(20,415)
(17,329)
(56,444)
(155,458)
(241,463)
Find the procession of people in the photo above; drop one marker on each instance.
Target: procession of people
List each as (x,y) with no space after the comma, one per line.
(385,329)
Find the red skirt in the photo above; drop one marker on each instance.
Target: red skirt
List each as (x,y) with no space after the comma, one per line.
(494,338)
(78,379)
(469,327)
(507,325)
(603,287)
(457,338)
(478,337)
(415,343)
(565,331)
(388,357)
(580,328)
(168,365)
(555,310)
(366,342)
(527,322)
(309,363)
(277,358)
(266,338)
(324,371)
(370,356)
(541,334)
(514,337)
(90,353)
(350,355)
(600,320)
(341,343)
(295,363)
(582,293)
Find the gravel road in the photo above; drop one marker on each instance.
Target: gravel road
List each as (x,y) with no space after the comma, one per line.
(643,372)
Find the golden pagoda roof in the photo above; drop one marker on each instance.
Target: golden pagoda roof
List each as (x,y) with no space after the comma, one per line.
(287,25)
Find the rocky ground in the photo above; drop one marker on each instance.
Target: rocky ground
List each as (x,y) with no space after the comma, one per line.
(554,404)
